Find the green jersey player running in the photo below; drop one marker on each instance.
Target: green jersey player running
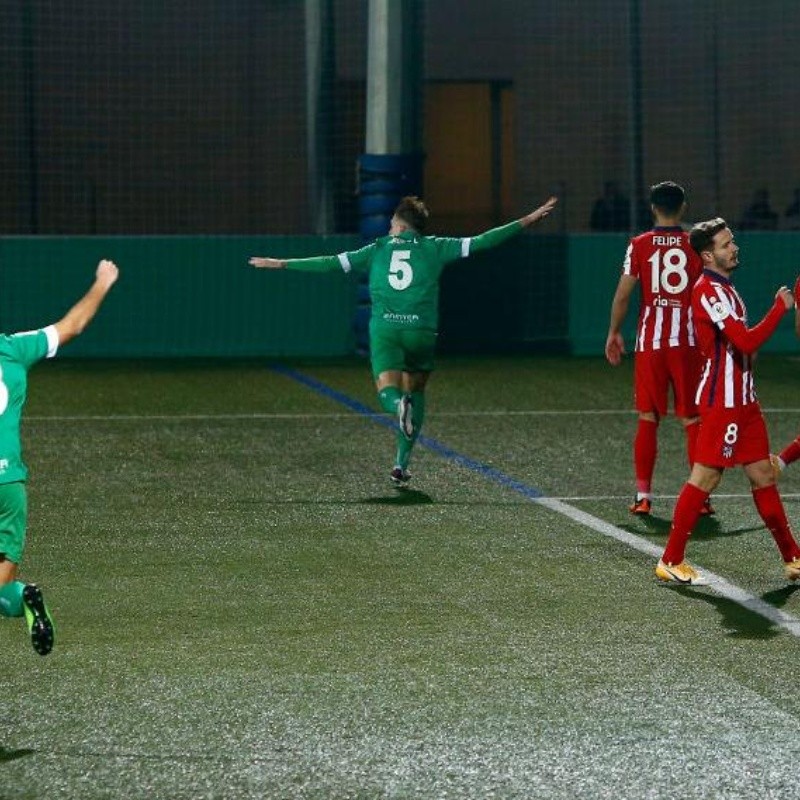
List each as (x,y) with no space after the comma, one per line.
(404,269)
(18,353)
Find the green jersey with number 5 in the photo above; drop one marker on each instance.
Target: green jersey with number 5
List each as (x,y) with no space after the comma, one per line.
(18,353)
(404,271)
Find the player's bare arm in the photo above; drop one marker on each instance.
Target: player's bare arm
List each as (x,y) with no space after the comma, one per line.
(539,213)
(267,263)
(81,314)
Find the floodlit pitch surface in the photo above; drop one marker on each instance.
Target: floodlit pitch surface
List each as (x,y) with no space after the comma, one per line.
(245,608)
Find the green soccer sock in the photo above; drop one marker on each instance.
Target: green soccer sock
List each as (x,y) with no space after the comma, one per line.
(405,446)
(11,599)
(389,398)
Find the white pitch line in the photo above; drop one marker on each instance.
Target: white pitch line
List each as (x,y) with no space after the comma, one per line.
(320,415)
(627,497)
(717,583)
(586,412)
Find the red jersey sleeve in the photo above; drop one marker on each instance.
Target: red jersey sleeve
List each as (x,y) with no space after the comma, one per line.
(747,340)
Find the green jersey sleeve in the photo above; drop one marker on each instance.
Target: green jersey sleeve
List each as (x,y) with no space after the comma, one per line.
(495,236)
(313,264)
(29,347)
(358,260)
(450,249)
(352,260)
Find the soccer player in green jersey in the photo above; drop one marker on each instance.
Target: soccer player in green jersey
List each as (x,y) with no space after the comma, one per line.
(404,269)
(18,353)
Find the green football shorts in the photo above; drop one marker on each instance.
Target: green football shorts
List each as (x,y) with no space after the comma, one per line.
(400,349)
(13,520)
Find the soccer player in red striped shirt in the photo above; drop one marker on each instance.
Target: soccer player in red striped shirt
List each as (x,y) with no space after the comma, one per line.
(663,264)
(732,429)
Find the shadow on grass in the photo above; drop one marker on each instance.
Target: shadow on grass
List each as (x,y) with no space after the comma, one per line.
(653,526)
(778,597)
(405,497)
(707,528)
(11,755)
(740,622)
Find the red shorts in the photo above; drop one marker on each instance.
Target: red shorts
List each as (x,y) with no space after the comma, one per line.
(731,436)
(656,370)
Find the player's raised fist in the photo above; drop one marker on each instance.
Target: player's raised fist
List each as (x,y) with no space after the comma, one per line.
(786,296)
(107,272)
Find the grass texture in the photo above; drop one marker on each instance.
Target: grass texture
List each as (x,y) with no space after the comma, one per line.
(246,609)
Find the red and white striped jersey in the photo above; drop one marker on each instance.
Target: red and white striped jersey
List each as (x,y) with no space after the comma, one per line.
(726,343)
(667,267)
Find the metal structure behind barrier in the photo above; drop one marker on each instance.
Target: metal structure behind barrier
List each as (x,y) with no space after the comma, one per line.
(382,181)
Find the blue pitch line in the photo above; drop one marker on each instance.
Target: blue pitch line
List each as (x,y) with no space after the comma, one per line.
(719,585)
(496,475)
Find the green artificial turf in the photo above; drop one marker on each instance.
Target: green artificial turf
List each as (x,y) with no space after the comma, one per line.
(246,609)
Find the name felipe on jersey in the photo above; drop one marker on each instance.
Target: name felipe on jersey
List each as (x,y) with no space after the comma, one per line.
(667,241)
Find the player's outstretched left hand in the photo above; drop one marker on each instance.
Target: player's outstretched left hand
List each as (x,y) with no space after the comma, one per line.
(541,212)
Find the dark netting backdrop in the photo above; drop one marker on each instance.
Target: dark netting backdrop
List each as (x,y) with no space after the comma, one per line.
(178,117)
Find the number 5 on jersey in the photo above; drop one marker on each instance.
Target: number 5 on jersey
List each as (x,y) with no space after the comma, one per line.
(400,272)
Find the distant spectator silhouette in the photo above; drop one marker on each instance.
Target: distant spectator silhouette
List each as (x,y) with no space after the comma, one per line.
(758,215)
(611,212)
(792,215)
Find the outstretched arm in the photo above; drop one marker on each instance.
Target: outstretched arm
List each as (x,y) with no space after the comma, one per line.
(81,314)
(615,344)
(267,263)
(353,259)
(539,213)
(496,236)
(313,264)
